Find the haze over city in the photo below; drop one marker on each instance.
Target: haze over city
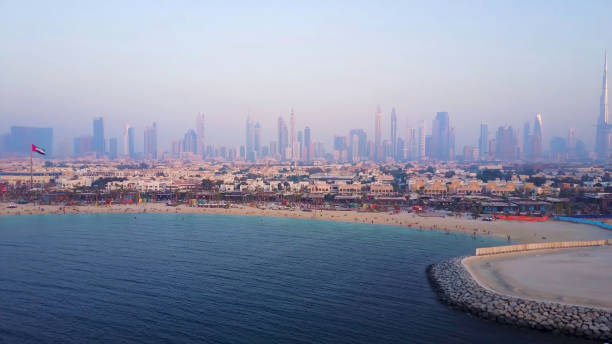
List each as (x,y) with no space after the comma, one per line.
(141,62)
(305,172)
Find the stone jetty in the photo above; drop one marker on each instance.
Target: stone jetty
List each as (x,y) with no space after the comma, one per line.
(457,288)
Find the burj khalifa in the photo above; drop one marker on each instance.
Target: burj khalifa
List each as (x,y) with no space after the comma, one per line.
(603,135)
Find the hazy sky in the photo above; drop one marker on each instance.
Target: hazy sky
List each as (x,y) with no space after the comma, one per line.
(62,63)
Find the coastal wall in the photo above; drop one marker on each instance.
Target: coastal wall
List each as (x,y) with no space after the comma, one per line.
(585,221)
(538,246)
(457,288)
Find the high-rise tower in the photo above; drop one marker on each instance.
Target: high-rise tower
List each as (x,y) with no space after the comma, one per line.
(292,138)
(307,145)
(536,137)
(98,136)
(483,141)
(250,153)
(603,134)
(441,137)
(150,141)
(378,135)
(128,141)
(200,132)
(394,152)
(257,139)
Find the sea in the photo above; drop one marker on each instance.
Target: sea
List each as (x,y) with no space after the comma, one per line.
(197,278)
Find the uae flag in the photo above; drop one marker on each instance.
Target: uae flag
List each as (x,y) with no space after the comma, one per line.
(38,150)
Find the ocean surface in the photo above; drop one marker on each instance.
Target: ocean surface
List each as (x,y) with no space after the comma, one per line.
(173,278)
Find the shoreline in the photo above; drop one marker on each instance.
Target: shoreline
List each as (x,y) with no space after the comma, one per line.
(515,231)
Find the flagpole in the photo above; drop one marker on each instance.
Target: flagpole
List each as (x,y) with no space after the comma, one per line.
(31,178)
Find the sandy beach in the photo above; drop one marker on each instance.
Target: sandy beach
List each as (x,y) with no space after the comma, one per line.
(517,231)
(579,276)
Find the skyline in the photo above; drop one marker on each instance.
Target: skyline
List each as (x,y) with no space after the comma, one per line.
(335,64)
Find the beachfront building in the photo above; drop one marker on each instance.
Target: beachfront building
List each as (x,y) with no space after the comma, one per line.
(381,189)
(435,188)
(320,188)
(500,188)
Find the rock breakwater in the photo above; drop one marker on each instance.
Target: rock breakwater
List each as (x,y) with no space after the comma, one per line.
(457,288)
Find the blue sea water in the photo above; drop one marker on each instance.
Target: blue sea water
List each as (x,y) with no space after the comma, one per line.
(173,278)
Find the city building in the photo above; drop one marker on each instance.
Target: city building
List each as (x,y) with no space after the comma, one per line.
(283,138)
(603,135)
(536,137)
(112,148)
(394,151)
(249,146)
(128,141)
(441,137)
(257,140)
(98,136)
(506,144)
(83,145)
(20,139)
(378,148)
(200,127)
(292,139)
(190,142)
(308,145)
(483,142)
(150,141)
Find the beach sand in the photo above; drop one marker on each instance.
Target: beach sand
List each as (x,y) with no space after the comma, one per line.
(517,231)
(579,276)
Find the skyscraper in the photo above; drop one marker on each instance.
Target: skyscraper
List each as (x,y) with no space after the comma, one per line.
(536,137)
(98,136)
(249,153)
(257,140)
(190,142)
(412,144)
(283,138)
(604,131)
(441,137)
(379,152)
(359,148)
(307,145)
(150,141)
(200,126)
(394,152)
(292,138)
(483,141)
(505,144)
(571,139)
(83,145)
(128,141)
(20,139)
(422,144)
(112,148)
(527,141)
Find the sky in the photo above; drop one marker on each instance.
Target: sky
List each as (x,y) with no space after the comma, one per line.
(62,63)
